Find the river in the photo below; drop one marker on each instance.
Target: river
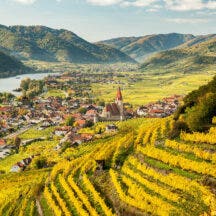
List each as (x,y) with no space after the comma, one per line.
(11,83)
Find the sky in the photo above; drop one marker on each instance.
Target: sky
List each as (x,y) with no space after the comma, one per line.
(96,20)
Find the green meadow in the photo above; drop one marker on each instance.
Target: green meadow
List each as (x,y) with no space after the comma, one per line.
(152,87)
(55,93)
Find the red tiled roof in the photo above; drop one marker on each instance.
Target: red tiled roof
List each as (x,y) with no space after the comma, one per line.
(86,136)
(156,111)
(2,142)
(77,115)
(91,112)
(113,109)
(81,121)
(4,109)
(64,128)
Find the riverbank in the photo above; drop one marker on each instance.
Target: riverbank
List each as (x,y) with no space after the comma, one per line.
(11,83)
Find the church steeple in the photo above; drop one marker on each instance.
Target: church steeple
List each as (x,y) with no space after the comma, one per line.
(119,103)
(119,95)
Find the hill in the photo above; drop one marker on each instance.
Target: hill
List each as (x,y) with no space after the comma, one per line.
(197,40)
(138,171)
(140,48)
(189,58)
(199,108)
(47,44)
(10,66)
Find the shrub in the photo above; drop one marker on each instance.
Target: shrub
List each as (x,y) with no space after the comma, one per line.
(177,128)
(200,116)
(39,163)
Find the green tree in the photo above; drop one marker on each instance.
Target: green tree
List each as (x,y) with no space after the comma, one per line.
(200,116)
(89,123)
(82,110)
(101,103)
(69,121)
(39,162)
(25,84)
(17,142)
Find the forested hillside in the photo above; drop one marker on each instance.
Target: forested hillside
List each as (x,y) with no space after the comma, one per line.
(10,66)
(47,44)
(199,108)
(187,59)
(140,48)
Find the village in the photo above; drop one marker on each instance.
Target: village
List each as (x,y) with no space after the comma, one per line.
(68,115)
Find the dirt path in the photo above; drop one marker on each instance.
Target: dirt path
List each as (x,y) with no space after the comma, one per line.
(39,209)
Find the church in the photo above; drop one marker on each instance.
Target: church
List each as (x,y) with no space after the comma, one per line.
(114,111)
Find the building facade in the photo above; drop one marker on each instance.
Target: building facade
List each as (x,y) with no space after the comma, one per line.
(114,111)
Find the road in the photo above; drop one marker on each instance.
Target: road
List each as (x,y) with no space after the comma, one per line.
(22,130)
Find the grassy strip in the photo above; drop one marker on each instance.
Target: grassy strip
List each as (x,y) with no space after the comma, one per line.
(160,165)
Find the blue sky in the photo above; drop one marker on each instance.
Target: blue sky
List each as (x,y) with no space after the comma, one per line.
(96,20)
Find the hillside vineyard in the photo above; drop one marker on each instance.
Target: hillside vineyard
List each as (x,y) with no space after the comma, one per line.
(138,171)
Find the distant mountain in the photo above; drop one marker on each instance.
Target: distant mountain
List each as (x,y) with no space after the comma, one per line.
(187,58)
(140,48)
(9,66)
(43,43)
(197,40)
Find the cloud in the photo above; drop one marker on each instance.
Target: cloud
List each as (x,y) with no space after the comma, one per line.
(104,2)
(175,5)
(25,1)
(29,2)
(138,3)
(187,20)
(187,5)
(135,3)
(152,10)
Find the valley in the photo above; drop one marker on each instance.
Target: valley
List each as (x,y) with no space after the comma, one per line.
(94,132)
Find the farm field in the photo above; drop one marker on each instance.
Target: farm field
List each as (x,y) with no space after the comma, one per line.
(153,87)
(110,176)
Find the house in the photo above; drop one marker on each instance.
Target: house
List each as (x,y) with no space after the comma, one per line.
(157,113)
(77,115)
(77,139)
(2,143)
(160,109)
(91,113)
(142,111)
(75,105)
(86,137)
(5,109)
(16,168)
(80,122)
(111,128)
(4,152)
(45,124)
(91,107)
(21,165)
(62,131)
(27,161)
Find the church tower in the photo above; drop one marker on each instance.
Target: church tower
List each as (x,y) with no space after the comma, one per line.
(119,103)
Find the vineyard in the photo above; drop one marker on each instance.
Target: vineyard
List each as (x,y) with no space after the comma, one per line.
(138,171)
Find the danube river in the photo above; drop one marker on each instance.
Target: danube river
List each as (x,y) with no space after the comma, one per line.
(11,83)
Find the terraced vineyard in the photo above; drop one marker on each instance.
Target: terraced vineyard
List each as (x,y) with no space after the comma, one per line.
(138,171)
